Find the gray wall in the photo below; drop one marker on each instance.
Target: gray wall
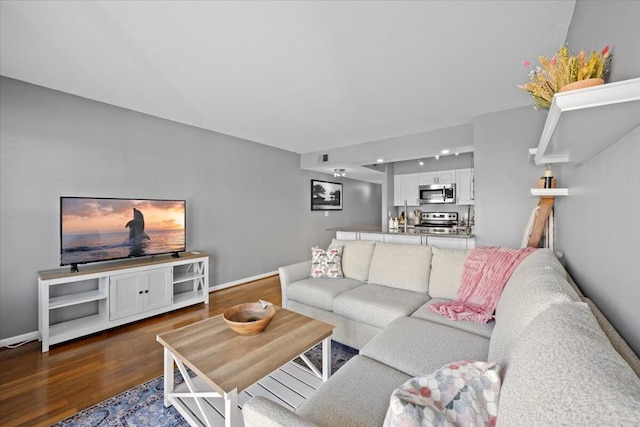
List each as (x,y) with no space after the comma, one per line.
(597,224)
(504,174)
(248,205)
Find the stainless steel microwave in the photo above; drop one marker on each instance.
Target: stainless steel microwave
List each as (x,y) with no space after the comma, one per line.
(437,193)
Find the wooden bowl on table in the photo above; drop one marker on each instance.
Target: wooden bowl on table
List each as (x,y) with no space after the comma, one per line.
(249,318)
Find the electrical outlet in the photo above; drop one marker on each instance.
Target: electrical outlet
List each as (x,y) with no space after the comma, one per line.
(326,213)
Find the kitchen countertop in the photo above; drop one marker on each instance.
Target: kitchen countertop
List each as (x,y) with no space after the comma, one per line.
(411,231)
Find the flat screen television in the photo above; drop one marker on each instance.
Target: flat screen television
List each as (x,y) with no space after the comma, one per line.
(94,229)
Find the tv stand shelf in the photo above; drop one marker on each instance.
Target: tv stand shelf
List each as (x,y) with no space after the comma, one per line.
(78,298)
(103,296)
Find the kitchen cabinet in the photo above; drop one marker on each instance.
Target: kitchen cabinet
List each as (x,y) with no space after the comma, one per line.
(135,293)
(451,242)
(370,236)
(405,187)
(405,239)
(346,235)
(437,177)
(465,187)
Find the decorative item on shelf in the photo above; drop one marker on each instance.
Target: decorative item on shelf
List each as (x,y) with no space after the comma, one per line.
(249,318)
(393,223)
(564,72)
(581,84)
(548,178)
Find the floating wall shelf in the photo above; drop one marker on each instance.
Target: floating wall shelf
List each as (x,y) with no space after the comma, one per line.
(582,123)
(549,192)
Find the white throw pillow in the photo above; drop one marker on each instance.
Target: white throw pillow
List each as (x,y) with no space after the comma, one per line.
(326,264)
(446,272)
(401,266)
(356,257)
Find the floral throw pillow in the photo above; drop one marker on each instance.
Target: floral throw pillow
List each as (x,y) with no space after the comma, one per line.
(326,264)
(462,393)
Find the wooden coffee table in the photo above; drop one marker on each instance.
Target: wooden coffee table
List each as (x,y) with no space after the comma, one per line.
(225,364)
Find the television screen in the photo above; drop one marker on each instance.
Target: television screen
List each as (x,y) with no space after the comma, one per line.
(100,229)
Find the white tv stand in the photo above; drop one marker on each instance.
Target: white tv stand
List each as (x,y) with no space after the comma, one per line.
(103,296)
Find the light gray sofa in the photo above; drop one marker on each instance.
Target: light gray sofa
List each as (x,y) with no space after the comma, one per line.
(561,361)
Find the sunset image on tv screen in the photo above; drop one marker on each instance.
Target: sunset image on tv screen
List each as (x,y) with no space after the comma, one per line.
(95,229)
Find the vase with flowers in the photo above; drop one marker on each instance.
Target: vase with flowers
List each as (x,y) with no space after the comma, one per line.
(563,72)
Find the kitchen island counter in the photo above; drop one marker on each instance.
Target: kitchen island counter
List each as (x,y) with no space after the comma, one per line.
(411,231)
(414,236)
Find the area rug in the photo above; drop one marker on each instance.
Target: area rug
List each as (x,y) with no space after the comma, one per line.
(143,406)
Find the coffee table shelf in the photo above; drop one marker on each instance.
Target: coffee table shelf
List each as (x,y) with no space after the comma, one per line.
(288,386)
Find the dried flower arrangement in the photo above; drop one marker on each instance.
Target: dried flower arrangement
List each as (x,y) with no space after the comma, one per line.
(562,69)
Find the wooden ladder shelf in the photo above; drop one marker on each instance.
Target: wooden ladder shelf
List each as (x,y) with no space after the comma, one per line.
(545,206)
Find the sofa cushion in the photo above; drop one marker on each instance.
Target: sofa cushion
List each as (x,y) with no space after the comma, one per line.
(347,331)
(542,258)
(319,292)
(564,371)
(326,264)
(356,257)
(261,412)
(401,266)
(482,329)
(618,343)
(418,347)
(357,395)
(446,272)
(377,305)
(460,393)
(532,288)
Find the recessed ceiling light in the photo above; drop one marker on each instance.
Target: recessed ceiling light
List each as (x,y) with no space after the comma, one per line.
(421,162)
(380,160)
(445,151)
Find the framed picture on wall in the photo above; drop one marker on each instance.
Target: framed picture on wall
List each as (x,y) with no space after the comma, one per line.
(326,196)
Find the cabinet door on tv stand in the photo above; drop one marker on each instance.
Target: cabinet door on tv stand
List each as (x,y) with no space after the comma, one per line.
(160,288)
(125,295)
(134,293)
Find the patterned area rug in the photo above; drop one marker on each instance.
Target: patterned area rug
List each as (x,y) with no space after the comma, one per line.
(143,406)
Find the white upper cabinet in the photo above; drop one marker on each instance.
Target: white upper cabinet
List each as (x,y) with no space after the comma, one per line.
(582,123)
(465,187)
(405,187)
(438,177)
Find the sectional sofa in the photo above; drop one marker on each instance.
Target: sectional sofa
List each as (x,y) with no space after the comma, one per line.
(559,361)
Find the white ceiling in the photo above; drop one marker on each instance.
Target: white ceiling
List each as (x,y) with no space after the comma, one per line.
(302,76)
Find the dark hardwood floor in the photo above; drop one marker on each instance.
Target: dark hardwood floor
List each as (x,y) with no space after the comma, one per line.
(37,389)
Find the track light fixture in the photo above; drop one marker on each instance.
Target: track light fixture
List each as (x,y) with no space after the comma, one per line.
(339,172)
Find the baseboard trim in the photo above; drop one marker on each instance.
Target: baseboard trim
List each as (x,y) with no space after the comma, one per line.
(242,281)
(18,339)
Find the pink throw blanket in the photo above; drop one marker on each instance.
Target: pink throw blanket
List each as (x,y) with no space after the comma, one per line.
(485,272)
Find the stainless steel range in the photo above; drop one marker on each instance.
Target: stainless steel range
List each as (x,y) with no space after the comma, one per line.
(438,222)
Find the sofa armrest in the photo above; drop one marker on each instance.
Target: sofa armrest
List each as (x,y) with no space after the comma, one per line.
(292,273)
(262,412)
